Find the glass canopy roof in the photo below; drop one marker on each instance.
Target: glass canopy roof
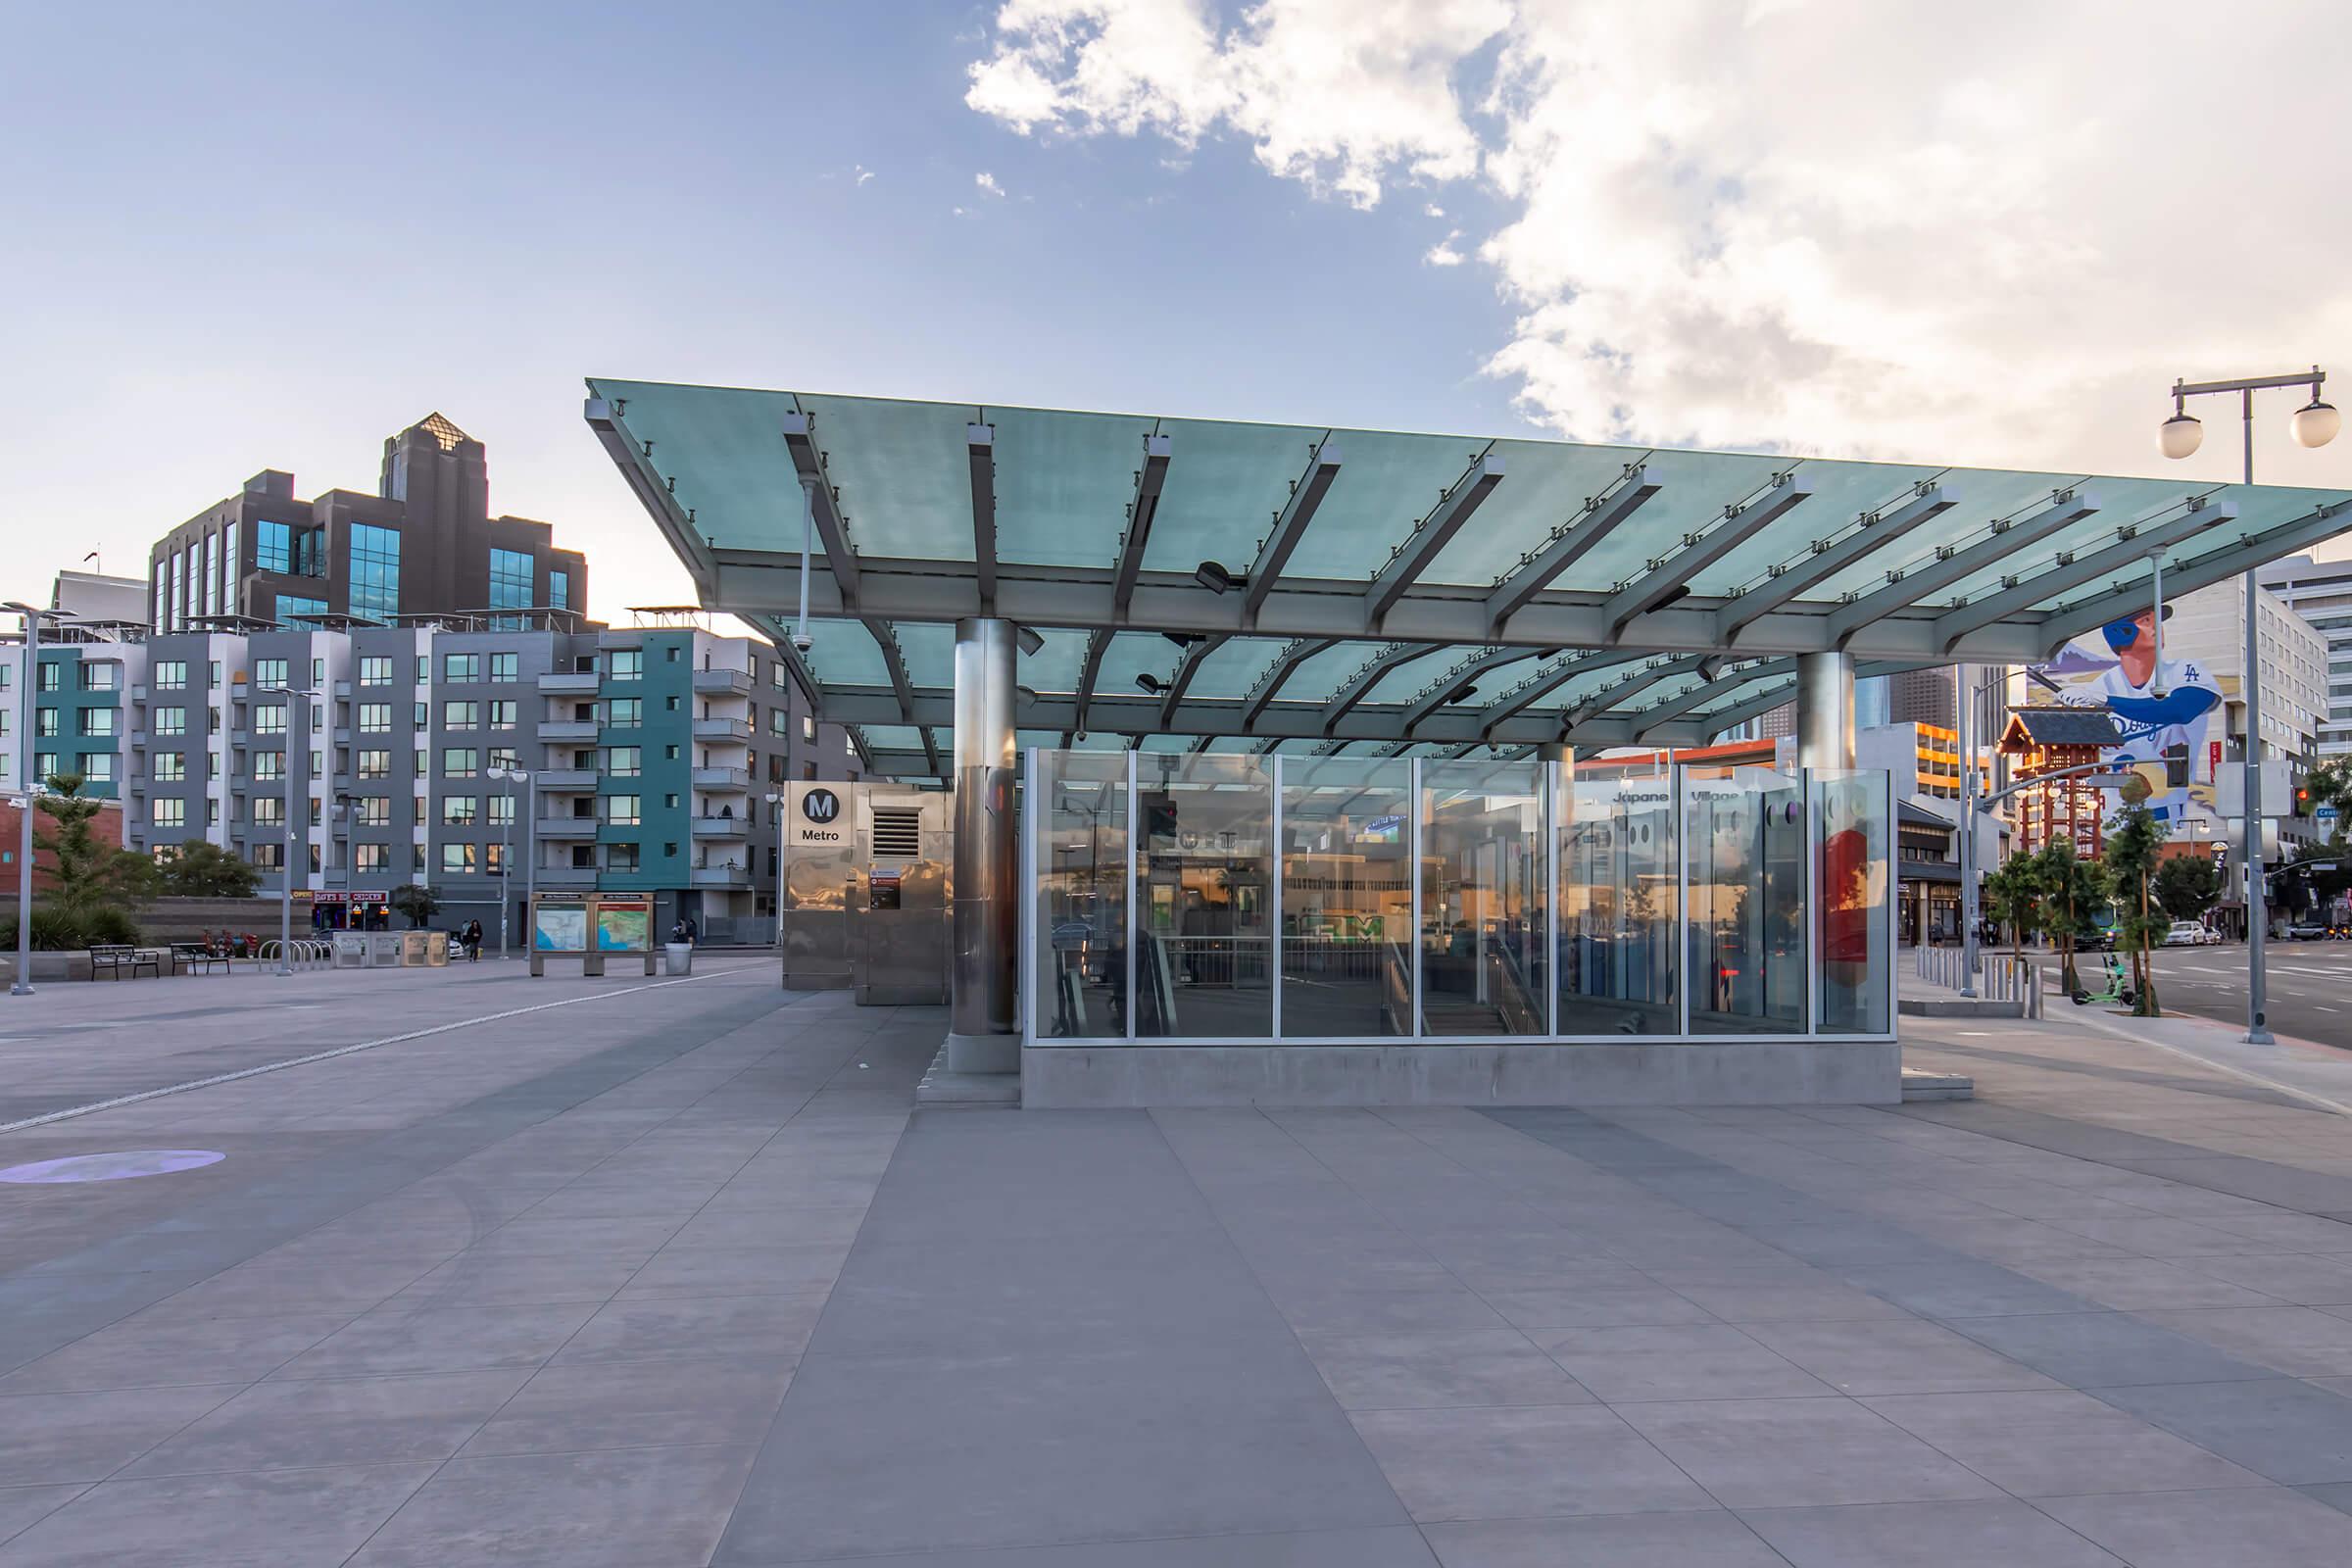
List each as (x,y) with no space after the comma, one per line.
(1218,585)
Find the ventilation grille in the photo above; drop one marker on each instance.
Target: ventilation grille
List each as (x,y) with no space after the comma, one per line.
(898,833)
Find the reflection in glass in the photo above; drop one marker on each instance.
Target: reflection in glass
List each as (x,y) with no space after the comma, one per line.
(1850,895)
(1617,901)
(1747,898)
(1482,899)
(1206,937)
(1081,860)
(1346,897)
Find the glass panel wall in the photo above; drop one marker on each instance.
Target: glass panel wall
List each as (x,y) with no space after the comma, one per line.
(1347,897)
(1205,896)
(1745,830)
(1483,875)
(1080,989)
(1850,898)
(1620,881)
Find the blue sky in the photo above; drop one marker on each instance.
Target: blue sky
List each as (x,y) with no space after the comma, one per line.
(255,236)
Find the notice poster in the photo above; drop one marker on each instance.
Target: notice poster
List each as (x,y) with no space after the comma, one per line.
(622,928)
(560,928)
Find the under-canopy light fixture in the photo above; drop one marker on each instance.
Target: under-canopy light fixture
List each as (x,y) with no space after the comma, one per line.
(1152,684)
(1212,576)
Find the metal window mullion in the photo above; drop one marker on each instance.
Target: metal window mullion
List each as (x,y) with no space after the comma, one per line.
(1134,888)
(1681,897)
(1413,923)
(1025,992)
(1553,782)
(1809,968)
(1274,948)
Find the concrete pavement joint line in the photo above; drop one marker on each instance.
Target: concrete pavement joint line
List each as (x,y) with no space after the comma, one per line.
(327,1055)
(2337,1107)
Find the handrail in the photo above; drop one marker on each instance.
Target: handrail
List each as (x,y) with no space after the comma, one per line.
(2005,977)
(1395,990)
(1515,999)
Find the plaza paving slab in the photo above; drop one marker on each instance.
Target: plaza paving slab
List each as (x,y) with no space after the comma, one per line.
(578,1271)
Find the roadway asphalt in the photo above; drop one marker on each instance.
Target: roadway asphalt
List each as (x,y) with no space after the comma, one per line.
(2310,989)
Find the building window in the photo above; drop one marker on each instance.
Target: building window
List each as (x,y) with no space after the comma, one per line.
(457,859)
(98,767)
(624,712)
(375,570)
(269,768)
(163,602)
(97,677)
(317,674)
(374,764)
(624,761)
(504,669)
(461,666)
(376,669)
(669,703)
(372,858)
(459,761)
(460,716)
(268,856)
(510,575)
(459,810)
(212,573)
(44,765)
(99,721)
(375,718)
(423,714)
(269,811)
(628,663)
(268,719)
(168,674)
(274,547)
(500,810)
(167,811)
(669,851)
(504,757)
(779,723)
(670,655)
(169,720)
(558,588)
(670,801)
(505,713)
(372,810)
(621,811)
(168,768)
(233,570)
(269,672)
(294,607)
(670,753)
(46,678)
(620,856)
(44,721)
(493,858)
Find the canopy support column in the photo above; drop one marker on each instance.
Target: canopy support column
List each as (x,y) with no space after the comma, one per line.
(987,890)
(1825,710)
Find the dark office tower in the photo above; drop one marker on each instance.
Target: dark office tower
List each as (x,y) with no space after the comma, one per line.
(424,544)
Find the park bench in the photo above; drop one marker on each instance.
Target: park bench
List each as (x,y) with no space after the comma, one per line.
(198,956)
(115,957)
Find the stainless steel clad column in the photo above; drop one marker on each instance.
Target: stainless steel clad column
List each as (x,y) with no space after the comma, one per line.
(986,866)
(1825,710)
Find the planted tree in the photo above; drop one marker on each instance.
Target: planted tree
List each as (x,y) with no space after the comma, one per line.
(417,902)
(2013,897)
(201,869)
(2187,886)
(2072,890)
(93,884)
(2133,848)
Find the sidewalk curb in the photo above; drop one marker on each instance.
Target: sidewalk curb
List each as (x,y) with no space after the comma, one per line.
(2098,1018)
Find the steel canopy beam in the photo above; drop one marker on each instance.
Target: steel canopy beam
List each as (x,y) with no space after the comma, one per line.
(980,451)
(1290,526)
(793,659)
(1756,706)
(1827,558)
(1612,697)
(1545,682)
(895,662)
(1952,563)
(1095,645)
(1186,669)
(1669,575)
(1361,684)
(1450,687)
(1412,558)
(1286,664)
(2135,542)
(1570,542)
(800,438)
(634,460)
(1657,714)
(1149,479)
(2240,553)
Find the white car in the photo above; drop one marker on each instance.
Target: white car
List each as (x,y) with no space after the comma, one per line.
(2187,934)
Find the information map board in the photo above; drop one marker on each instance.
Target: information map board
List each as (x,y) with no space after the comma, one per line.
(563,924)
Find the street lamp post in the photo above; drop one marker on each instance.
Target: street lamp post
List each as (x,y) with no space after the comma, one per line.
(21,985)
(776,805)
(295,697)
(2313,426)
(1964,719)
(522,778)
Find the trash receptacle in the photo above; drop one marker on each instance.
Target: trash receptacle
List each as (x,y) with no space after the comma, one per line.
(677,958)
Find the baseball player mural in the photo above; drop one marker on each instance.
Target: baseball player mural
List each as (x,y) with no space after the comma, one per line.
(2164,711)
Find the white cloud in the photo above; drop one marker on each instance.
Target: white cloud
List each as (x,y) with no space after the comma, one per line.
(1433,209)
(864,173)
(1988,234)
(1444,252)
(988,184)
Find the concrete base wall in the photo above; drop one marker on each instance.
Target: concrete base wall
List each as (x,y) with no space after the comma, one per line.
(1659,1073)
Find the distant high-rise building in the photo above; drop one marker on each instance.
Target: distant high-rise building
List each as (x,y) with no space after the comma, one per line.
(423,544)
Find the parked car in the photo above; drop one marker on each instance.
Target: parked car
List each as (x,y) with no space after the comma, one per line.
(2307,931)
(2188,933)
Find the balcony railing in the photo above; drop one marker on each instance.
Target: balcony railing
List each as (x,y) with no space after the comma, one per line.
(568,876)
(722,778)
(568,730)
(722,729)
(569,680)
(721,876)
(722,682)
(560,779)
(721,827)
(567,827)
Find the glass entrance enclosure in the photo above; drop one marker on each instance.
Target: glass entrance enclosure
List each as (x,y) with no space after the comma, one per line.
(1233,899)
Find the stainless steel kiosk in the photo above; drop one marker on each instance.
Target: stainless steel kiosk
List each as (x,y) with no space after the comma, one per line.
(866,893)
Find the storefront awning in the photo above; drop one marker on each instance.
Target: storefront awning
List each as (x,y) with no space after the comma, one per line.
(1200,584)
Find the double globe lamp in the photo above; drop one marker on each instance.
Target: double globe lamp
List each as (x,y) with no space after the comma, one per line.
(2313,424)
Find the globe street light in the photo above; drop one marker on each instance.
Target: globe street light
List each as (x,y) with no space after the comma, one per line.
(285,869)
(530,851)
(21,984)
(2313,424)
